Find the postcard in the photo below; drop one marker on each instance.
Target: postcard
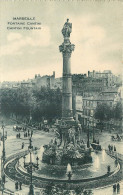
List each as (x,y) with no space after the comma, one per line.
(61,97)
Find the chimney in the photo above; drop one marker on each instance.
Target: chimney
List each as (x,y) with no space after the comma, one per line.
(54,74)
(93,73)
(88,73)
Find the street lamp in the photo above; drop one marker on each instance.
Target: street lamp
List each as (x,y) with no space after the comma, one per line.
(3,139)
(37,161)
(93,132)
(31,188)
(30,144)
(29,166)
(3,159)
(88,134)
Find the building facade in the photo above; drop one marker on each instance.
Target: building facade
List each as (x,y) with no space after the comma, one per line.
(85,111)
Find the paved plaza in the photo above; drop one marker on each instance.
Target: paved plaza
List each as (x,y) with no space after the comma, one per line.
(13,147)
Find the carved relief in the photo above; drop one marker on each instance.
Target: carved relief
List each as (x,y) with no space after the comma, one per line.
(66,48)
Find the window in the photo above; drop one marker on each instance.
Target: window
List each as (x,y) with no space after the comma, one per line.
(97,103)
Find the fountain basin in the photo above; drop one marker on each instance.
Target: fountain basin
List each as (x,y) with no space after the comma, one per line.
(98,168)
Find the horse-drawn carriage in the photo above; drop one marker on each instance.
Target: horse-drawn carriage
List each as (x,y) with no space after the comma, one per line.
(17,128)
(96,146)
(117,138)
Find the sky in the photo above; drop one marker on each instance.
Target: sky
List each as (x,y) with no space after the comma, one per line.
(96,33)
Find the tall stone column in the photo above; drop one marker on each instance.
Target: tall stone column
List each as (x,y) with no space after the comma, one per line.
(66,48)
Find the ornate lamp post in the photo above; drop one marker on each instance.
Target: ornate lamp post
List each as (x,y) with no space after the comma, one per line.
(3,157)
(3,139)
(30,144)
(88,134)
(93,132)
(31,188)
(37,162)
(29,166)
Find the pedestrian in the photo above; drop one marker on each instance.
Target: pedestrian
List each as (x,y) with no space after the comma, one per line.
(109,147)
(31,133)
(22,145)
(20,184)
(114,188)
(118,188)
(108,169)
(19,135)
(114,149)
(16,185)
(55,142)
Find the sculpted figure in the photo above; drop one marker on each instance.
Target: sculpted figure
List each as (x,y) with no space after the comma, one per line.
(67,29)
(71,135)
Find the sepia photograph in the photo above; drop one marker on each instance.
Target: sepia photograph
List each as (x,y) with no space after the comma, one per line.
(61,97)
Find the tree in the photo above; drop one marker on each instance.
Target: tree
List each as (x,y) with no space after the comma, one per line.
(23,101)
(117,110)
(103,112)
(48,103)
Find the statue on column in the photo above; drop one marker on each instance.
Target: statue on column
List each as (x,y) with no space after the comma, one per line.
(66,46)
(67,29)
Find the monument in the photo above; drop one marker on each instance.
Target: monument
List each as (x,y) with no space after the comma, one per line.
(66,48)
(67,146)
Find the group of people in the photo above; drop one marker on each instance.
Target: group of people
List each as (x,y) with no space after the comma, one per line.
(116,187)
(112,148)
(18,185)
(18,135)
(26,134)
